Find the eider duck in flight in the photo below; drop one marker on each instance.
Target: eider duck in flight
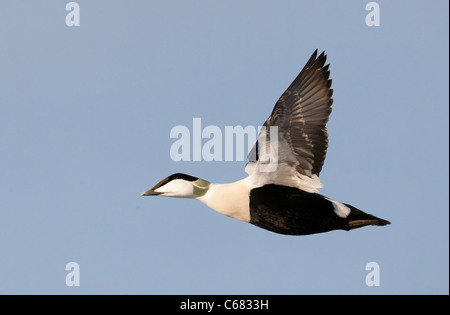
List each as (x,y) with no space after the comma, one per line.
(280,193)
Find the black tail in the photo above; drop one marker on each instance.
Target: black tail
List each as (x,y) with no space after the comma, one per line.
(358,218)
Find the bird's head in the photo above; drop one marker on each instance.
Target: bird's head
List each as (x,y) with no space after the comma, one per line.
(179,185)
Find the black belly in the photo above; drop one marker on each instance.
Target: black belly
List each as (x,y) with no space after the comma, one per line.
(288,210)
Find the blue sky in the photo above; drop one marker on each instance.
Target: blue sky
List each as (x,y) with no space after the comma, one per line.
(85,120)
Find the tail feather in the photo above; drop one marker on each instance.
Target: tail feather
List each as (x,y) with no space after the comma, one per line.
(358,218)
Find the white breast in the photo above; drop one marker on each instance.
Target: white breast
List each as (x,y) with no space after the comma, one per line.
(229,199)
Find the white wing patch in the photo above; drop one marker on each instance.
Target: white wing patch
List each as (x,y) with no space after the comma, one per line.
(340,209)
(276,164)
(285,175)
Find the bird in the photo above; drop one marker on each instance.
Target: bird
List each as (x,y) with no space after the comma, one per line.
(280,193)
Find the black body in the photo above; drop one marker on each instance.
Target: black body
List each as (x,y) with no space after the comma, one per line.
(288,210)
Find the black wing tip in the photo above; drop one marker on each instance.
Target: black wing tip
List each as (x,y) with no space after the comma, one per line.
(320,61)
(316,52)
(312,59)
(314,63)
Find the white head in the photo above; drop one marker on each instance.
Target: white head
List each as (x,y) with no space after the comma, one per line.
(179,185)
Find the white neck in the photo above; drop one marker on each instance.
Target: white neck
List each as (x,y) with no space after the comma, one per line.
(229,199)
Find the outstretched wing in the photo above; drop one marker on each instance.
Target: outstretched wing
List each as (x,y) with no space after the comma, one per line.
(301,114)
